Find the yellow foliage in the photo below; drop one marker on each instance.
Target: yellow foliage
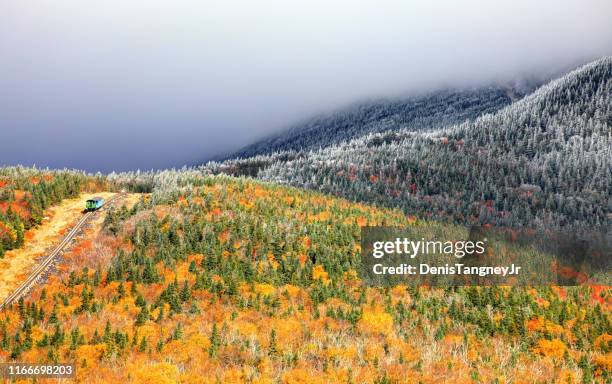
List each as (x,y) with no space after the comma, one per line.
(199,340)
(302,376)
(184,352)
(148,330)
(603,341)
(325,345)
(89,353)
(159,373)
(403,349)
(566,377)
(399,293)
(319,273)
(373,351)
(540,324)
(603,361)
(347,353)
(375,321)
(265,366)
(246,328)
(289,331)
(288,200)
(351,274)
(472,354)
(453,339)
(292,290)
(264,379)
(234,375)
(265,289)
(551,348)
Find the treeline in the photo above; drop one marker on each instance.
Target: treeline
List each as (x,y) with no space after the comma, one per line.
(543,161)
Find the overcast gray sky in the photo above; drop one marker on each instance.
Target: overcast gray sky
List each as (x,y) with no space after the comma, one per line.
(126,84)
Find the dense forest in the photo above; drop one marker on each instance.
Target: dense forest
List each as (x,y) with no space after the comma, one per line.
(218,279)
(545,161)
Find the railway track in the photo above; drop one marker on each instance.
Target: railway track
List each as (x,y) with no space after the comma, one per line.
(48,260)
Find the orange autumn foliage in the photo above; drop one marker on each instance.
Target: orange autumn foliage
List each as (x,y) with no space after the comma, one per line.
(375,321)
(550,348)
(319,273)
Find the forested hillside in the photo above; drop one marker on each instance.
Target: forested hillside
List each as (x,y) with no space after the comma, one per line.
(545,160)
(217,279)
(26,192)
(431,111)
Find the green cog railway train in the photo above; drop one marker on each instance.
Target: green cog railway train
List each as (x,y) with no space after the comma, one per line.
(94,204)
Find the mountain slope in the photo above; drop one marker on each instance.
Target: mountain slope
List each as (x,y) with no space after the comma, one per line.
(219,279)
(431,111)
(544,160)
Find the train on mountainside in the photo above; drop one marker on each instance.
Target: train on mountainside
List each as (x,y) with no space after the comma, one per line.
(94,204)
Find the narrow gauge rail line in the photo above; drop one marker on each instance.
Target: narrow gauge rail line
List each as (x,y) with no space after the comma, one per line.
(25,287)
